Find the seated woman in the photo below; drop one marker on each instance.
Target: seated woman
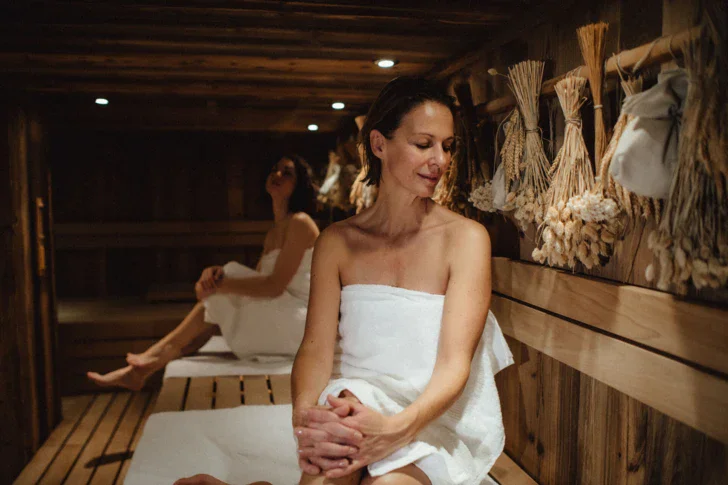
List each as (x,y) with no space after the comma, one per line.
(414,401)
(259,312)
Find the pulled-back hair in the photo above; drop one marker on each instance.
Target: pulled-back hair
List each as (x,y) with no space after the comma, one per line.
(303,198)
(400,96)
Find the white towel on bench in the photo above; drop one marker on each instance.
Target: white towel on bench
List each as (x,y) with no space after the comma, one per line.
(239,446)
(216,359)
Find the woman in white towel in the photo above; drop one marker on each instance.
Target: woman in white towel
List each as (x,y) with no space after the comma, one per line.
(413,401)
(260,312)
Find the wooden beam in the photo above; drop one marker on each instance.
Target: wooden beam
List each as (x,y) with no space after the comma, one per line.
(328,37)
(404,20)
(119,61)
(694,332)
(654,53)
(122,115)
(680,391)
(162,228)
(203,89)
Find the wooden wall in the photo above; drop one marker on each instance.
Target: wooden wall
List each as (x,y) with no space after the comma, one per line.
(614,382)
(102,178)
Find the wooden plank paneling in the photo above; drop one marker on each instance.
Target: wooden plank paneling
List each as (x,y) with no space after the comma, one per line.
(76,442)
(255,390)
(688,330)
(685,393)
(172,395)
(74,409)
(281,388)
(199,394)
(84,467)
(117,451)
(137,436)
(228,393)
(507,472)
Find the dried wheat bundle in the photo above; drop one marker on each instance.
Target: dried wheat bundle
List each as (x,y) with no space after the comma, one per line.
(566,236)
(362,195)
(512,151)
(482,197)
(592,42)
(525,81)
(691,244)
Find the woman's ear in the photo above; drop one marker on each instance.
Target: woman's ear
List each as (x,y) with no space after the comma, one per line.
(377,142)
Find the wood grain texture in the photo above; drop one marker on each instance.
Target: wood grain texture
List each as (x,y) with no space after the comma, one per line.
(228,392)
(255,390)
(682,328)
(676,389)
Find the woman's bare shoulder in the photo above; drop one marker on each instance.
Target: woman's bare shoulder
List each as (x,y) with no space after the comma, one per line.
(461,232)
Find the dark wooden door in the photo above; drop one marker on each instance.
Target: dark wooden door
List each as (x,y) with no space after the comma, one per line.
(29,401)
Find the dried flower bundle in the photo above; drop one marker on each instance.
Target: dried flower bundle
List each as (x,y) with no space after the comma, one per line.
(570,231)
(691,244)
(482,197)
(592,42)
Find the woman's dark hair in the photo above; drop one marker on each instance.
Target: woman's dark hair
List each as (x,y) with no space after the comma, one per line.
(400,96)
(303,198)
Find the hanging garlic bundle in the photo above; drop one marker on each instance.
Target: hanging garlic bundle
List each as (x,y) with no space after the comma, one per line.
(691,243)
(565,237)
(525,82)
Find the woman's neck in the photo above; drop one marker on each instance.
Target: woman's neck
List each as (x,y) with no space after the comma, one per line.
(280,210)
(397,211)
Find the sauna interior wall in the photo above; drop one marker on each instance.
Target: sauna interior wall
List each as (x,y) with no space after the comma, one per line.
(562,426)
(113,176)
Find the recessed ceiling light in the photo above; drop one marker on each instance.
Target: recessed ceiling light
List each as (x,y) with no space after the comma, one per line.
(312,127)
(102,101)
(338,105)
(385,63)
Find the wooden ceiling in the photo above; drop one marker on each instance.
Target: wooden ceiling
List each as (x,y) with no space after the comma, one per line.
(236,64)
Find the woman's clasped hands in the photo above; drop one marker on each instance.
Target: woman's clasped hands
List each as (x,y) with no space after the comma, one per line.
(339,439)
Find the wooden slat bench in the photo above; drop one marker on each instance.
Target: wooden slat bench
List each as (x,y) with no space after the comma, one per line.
(96,439)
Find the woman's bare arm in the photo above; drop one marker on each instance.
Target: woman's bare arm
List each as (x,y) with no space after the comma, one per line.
(315,358)
(467,301)
(301,234)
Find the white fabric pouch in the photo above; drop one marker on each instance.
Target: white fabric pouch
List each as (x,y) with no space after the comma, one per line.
(646,156)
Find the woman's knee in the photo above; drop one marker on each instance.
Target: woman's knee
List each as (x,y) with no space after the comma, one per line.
(408,475)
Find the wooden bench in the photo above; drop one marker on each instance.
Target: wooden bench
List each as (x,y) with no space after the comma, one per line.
(97,334)
(96,439)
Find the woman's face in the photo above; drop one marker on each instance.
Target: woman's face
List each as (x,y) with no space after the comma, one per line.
(281,181)
(420,150)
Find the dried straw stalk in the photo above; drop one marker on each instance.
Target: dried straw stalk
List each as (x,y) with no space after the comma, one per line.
(571,171)
(691,244)
(566,234)
(525,82)
(512,151)
(592,42)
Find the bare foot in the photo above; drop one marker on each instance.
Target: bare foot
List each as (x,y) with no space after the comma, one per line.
(153,361)
(127,377)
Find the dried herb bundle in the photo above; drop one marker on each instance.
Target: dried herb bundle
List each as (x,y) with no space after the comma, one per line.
(691,244)
(566,234)
(512,152)
(592,42)
(525,82)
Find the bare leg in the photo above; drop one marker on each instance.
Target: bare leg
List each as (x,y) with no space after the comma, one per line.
(407,475)
(353,479)
(174,343)
(141,366)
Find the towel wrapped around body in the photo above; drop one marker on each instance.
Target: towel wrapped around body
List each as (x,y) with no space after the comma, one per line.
(389,339)
(267,329)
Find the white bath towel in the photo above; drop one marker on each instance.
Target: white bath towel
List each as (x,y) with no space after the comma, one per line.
(239,446)
(389,342)
(216,359)
(255,327)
